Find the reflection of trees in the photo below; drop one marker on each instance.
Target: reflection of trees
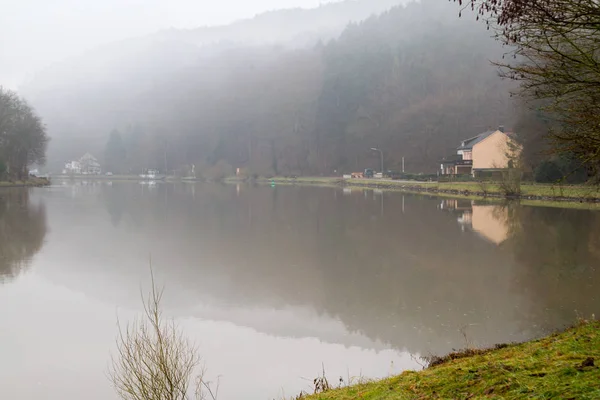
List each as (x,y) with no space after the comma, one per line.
(387,277)
(413,279)
(410,279)
(22,231)
(558,258)
(112,197)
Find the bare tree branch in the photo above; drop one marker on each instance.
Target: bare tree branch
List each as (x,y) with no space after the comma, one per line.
(154,359)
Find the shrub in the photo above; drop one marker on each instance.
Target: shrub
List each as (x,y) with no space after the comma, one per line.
(548,172)
(413,177)
(243,174)
(456,178)
(218,172)
(564,169)
(3,169)
(510,184)
(155,360)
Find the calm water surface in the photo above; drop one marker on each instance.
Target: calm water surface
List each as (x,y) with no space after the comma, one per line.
(273,283)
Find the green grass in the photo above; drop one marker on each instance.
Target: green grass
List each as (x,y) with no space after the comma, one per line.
(323,181)
(27,183)
(100,177)
(540,192)
(527,189)
(307,180)
(530,190)
(550,368)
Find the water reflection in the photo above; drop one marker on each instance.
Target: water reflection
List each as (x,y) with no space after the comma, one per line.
(556,252)
(490,221)
(359,276)
(410,280)
(22,231)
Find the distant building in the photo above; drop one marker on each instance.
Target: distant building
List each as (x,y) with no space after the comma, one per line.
(72,167)
(90,165)
(87,165)
(487,152)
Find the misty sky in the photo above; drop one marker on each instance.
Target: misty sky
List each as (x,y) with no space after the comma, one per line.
(36,33)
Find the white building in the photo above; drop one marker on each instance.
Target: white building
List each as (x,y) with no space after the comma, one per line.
(72,167)
(87,165)
(90,165)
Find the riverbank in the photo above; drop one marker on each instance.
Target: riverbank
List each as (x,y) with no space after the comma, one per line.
(99,177)
(564,365)
(529,191)
(538,193)
(31,182)
(133,178)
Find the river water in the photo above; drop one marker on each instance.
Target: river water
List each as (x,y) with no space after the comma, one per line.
(276,283)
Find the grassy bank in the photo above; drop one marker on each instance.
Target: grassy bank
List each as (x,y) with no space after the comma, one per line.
(303,180)
(32,182)
(529,191)
(99,177)
(561,366)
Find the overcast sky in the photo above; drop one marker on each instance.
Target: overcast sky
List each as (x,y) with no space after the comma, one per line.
(36,33)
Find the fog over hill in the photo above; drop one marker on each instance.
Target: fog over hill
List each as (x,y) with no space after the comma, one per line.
(287,92)
(291,27)
(83,98)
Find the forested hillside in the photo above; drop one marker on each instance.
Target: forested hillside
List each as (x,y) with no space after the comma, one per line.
(412,81)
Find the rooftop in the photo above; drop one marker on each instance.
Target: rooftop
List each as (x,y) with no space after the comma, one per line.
(87,156)
(468,144)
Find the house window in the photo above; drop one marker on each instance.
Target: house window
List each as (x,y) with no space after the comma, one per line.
(467,155)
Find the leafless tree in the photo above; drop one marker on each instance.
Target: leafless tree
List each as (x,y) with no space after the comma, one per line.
(154,359)
(555,55)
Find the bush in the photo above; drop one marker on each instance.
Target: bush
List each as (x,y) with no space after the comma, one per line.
(154,358)
(548,172)
(243,173)
(3,169)
(563,169)
(218,172)
(510,184)
(456,178)
(413,177)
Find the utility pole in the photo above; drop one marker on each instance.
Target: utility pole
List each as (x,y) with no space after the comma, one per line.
(381,154)
(165,155)
(402,164)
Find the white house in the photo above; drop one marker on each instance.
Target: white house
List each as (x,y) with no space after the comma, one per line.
(87,165)
(90,165)
(72,167)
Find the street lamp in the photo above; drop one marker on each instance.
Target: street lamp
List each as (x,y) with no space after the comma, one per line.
(381,153)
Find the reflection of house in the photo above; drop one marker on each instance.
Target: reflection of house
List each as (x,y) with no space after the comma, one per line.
(487,152)
(456,204)
(87,165)
(487,220)
(490,222)
(462,207)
